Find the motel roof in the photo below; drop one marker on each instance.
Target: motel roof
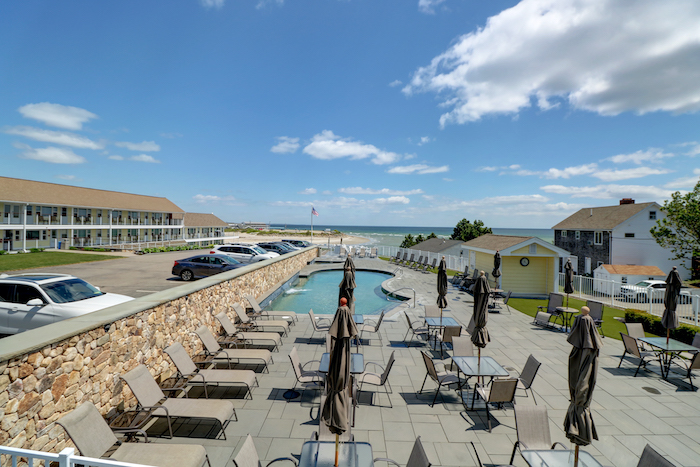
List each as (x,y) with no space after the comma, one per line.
(601,218)
(633,270)
(197,219)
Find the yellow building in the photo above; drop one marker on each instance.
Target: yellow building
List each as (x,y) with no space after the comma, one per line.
(529,265)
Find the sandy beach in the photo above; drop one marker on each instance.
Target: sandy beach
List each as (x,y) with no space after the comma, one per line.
(320,238)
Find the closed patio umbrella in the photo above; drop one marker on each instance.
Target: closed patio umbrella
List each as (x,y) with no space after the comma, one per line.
(442,285)
(568,280)
(496,273)
(583,372)
(335,409)
(347,285)
(673,289)
(480,336)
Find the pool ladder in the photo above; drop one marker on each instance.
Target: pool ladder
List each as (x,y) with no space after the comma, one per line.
(403,288)
(398,272)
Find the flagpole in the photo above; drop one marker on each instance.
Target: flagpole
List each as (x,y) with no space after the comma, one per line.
(312,226)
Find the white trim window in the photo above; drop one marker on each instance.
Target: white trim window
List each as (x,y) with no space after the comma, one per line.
(578,235)
(598,238)
(563,234)
(652,215)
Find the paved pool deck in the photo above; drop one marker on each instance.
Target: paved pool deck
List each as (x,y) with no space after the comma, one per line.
(629,412)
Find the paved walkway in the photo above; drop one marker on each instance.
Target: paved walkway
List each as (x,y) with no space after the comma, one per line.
(628,412)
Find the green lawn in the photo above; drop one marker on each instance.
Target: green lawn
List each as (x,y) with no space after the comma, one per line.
(47,259)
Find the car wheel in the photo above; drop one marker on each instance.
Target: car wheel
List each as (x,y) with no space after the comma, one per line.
(186,275)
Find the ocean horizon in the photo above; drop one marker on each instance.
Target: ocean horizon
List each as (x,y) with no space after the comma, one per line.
(394,235)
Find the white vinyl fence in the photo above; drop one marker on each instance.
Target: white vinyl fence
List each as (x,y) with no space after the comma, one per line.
(609,293)
(65,458)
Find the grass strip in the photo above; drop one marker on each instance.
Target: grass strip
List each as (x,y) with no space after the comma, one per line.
(47,259)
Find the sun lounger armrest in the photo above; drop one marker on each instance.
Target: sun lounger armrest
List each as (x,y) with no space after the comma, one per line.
(194,375)
(133,432)
(282,459)
(560,444)
(384,459)
(154,408)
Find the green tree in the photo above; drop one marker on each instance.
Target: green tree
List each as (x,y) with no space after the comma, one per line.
(408,241)
(465,230)
(419,239)
(432,235)
(679,231)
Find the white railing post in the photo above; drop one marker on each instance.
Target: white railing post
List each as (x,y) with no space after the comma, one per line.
(65,456)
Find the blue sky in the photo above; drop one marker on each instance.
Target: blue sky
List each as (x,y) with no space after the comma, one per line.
(375,112)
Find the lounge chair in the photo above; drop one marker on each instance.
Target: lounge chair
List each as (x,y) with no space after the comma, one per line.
(417,458)
(362,253)
(377,379)
(597,314)
(424,265)
(319,325)
(457,278)
(532,429)
(248,456)
(415,331)
(261,325)
(373,252)
(216,354)
(256,338)
(407,263)
(417,263)
(149,395)
(372,326)
(396,259)
(500,391)
(304,376)
(443,378)
(205,377)
(432,266)
(632,348)
(93,438)
(651,458)
(467,282)
(259,312)
(543,319)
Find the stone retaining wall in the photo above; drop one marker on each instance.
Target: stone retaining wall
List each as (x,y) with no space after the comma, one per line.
(40,386)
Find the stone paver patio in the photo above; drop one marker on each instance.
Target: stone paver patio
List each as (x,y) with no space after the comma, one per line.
(628,412)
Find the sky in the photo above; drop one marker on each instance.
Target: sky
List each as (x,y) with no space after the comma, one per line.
(374,112)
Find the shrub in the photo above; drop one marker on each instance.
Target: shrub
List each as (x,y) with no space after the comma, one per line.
(72,248)
(652,324)
(36,250)
(2,252)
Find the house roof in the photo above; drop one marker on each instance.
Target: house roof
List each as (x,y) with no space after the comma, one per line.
(496,242)
(15,190)
(197,219)
(436,245)
(633,270)
(602,218)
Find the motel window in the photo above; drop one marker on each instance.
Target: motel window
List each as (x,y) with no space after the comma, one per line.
(578,234)
(17,235)
(563,234)
(43,234)
(29,210)
(64,212)
(53,234)
(533,249)
(623,279)
(32,235)
(652,215)
(629,235)
(598,238)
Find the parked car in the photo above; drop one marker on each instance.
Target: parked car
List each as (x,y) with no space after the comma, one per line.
(653,290)
(289,245)
(276,247)
(243,252)
(204,265)
(28,301)
(298,243)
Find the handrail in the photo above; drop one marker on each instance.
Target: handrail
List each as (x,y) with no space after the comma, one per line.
(398,272)
(404,288)
(65,458)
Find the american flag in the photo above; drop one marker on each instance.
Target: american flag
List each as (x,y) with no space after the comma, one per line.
(314,211)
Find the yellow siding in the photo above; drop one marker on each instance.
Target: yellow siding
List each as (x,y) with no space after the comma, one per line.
(536,278)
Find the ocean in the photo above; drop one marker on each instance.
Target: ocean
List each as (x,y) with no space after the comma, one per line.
(393,236)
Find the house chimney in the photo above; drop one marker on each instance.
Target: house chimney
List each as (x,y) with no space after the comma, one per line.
(626,201)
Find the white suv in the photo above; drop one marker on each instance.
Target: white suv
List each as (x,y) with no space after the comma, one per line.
(28,301)
(653,290)
(244,252)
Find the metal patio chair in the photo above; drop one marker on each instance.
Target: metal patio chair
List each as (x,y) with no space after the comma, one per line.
(377,379)
(532,429)
(500,391)
(247,456)
(443,378)
(417,458)
(632,348)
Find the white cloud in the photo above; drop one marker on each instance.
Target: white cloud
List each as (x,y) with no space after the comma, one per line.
(396,82)
(50,154)
(694,151)
(604,56)
(428,6)
(327,146)
(420,169)
(262,3)
(144,158)
(650,155)
(449,179)
(327,192)
(171,135)
(486,169)
(424,140)
(684,182)
(217,4)
(308,191)
(55,137)
(285,145)
(61,116)
(567,172)
(610,191)
(383,191)
(116,158)
(213,199)
(609,175)
(144,146)
(341,202)
(67,177)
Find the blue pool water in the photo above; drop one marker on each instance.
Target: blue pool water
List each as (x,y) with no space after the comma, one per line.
(320,292)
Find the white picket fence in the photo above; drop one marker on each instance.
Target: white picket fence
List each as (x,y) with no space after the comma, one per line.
(65,458)
(457,263)
(608,292)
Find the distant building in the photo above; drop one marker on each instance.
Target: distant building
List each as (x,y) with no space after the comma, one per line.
(202,225)
(614,235)
(251,225)
(612,276)
(440,246)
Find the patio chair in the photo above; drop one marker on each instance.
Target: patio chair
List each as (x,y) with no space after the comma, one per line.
(373,252)
(424,265)
(527,376)
(290,316)
(555,300)
(248,456)
(415,331)
(532,429)
(432,311)
(372,326)
(261,325)
(651,458)
(407,263)
(443,378)
(467,281)
(205,377)
(447,335)
(500,391)
(319,324)
(149,395)
(304,376)
(233,335)
(417,263)
(694,364)
(432,266)
(479,460)
(597,314)
(215,350)
(417,458)
(325,434)
(632,348)
(377,379)
(396,259)
(457,278)
(636,330)
(93,438)
(362,253)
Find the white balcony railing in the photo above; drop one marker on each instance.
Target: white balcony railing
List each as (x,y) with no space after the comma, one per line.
(66,458)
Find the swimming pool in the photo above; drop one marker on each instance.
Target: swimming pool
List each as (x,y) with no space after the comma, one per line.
(320,292)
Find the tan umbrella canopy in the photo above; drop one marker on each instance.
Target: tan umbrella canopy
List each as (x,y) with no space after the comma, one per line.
(442,285)
(335,409)
(480,336)
(568,279)
(669,319)
(496,273)
(347,285)
(583,372)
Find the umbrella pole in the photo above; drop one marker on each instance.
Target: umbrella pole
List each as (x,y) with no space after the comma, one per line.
(668,334)
(575,456)
(337,439)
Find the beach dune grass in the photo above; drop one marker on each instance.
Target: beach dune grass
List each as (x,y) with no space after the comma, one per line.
(47,259)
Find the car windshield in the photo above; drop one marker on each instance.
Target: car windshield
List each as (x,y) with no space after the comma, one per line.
(228,259)
(259,250)
(70,290)
(643,284)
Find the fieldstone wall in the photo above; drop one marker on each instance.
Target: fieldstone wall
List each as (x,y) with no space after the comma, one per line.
(39,388)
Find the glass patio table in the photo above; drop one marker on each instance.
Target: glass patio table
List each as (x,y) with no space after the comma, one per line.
(322,454)
(667,351)
(567,313)
(558,457)
(471,366)
(437,323)
(358,319)
(357,363)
